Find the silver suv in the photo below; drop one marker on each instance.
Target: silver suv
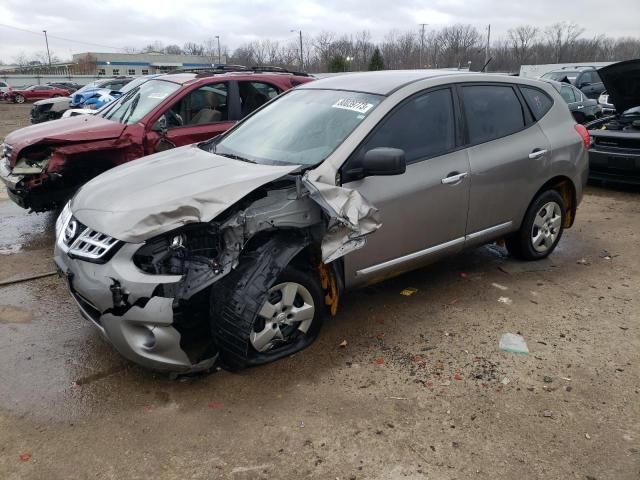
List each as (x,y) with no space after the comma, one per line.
(232,250)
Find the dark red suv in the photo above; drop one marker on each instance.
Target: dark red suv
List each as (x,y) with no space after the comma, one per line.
(42,165)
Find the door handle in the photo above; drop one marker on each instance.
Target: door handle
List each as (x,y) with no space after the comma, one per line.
(453,177)
(580,106)
(537,153)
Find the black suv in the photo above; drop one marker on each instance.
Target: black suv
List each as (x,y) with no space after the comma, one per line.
(585,78)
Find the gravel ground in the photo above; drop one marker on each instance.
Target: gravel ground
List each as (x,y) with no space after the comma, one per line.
(420,391)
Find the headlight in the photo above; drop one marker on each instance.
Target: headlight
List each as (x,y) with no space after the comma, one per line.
(63,219)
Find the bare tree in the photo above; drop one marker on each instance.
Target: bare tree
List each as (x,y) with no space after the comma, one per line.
(521,39)
(173,50)
(561,37)
(191,48)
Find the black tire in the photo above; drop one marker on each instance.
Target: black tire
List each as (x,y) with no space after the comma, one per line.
(520,244)
(234,316)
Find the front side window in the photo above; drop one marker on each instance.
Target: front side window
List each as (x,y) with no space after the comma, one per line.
(138,102)
(206,104)
(539,102)
(302,127)
(422,126)
(491,111)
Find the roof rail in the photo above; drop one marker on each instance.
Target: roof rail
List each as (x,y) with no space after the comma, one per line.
(269,68)
(578,66)
(220,69)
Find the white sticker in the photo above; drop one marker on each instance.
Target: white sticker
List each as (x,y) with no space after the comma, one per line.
(353,105)
(159,96)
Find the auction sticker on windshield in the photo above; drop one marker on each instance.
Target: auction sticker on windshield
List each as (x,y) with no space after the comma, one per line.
(353,105)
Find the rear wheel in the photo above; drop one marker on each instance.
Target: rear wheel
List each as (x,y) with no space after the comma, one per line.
(541,228)
(18,98)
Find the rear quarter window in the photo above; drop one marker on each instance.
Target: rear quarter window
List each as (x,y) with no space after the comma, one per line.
(539,102)
(491,112)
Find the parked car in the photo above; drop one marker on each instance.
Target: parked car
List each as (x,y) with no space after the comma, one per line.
(4,89)
(35,92)
(53,108)
(615,148)
(93,97)
(68,86)
(584,78)
(606,106)
(44,164)
(582,108)
(232,248)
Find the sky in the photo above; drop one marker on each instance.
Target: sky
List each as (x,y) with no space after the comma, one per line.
(104,25)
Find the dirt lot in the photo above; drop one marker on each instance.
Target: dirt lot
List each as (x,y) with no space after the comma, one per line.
(420,390)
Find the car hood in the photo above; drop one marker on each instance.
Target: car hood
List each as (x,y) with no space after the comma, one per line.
(53,100)
(622,83)
(156,194)
(84,128)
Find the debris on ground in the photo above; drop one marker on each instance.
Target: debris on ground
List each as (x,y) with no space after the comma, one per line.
(587,436)
(505,381)
(407,292)
(513,343)
(380,360)
(583,261)
(499,287)
(547,414)
(25,457)
(343,344)
(505,300)
(214,405)
(547,379)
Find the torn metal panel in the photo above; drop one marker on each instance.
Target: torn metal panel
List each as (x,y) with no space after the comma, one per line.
(351,217)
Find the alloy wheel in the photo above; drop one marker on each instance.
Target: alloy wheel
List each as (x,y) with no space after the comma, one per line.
(286,314)
(546,227)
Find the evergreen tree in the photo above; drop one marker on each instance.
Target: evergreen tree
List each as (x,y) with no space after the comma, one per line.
(376,62)
(337,64)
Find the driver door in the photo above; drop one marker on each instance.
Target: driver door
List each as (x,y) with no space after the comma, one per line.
(198,115)
(423,211)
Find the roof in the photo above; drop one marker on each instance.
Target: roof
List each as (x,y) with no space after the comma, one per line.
(382,82)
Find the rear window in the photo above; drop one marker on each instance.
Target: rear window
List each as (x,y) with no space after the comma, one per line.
(539,102)
(491,111)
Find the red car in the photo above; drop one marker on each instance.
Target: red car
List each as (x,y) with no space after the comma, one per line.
(44,164)
(35,92)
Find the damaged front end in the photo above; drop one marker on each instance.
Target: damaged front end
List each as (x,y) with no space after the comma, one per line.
(151,300)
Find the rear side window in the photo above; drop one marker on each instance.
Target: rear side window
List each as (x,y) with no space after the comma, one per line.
(567,93)
(423,127)
(491,111)
(539,102)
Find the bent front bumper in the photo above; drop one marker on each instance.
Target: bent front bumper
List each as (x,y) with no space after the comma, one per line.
(142,328)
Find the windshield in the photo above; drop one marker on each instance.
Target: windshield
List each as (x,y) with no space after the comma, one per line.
(139,101)
(560,76)
(301,128)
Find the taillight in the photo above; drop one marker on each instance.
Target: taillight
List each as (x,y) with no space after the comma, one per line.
(584,134)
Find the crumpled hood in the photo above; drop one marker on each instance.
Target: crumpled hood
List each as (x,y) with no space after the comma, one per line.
(156,194)
(622,82)
(64,130)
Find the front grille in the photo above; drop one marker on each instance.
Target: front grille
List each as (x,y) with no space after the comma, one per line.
(92,245)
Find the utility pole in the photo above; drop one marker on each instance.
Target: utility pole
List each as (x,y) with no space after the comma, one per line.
(219,56)
(422,25)
(486,49)
(301,54)
(47,42)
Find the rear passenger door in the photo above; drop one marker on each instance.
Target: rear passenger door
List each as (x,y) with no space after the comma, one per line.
(254,94)
(423,211)
(508,155)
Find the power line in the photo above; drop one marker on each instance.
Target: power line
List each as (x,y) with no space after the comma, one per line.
(62,38)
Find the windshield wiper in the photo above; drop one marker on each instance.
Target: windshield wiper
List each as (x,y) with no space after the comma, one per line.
(234,156)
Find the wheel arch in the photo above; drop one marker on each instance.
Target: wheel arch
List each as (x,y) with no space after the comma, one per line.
(567,190)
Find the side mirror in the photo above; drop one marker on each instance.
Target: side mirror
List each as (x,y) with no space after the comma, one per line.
(384,161)
(160,125)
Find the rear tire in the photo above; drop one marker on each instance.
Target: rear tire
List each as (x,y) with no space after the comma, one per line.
(249,334)
(541,228)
